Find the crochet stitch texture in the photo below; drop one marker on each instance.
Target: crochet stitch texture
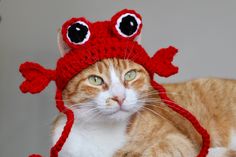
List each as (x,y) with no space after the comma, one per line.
(97,41)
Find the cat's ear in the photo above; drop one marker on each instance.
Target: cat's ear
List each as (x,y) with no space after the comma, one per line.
(62,46)
(139,38)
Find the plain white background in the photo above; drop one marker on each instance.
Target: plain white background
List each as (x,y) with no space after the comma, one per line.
(204,31)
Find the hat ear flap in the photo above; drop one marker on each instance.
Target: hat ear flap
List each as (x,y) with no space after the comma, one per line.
(36,77)
(162,61)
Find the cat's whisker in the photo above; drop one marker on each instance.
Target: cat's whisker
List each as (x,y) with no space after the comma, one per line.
(153,103)
(162,103)
(165,105)
(96,115)
(142,117)
(156,113)
(92,111)
(100,114)
(159,107)
(81,105)
(159,104)
(66,100)
(145,94)
(84,103)
(86,112)
(168,93)
(154,93)
(149,100)
(157,99)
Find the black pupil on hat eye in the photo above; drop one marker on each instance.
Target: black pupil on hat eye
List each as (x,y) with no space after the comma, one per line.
(128,25)
(77,32)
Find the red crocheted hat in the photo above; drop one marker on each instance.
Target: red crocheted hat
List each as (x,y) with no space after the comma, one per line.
(92,42)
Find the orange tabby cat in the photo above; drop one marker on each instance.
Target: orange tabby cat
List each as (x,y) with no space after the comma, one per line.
(119,114)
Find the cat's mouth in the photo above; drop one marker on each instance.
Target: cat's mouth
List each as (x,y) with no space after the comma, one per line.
(120,110)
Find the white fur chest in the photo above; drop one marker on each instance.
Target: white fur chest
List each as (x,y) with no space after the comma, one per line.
(92,140)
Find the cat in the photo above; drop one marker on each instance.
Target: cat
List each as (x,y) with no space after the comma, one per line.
(119,114)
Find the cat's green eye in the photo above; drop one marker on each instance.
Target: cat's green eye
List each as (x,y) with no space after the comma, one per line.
(95,80)
(130,75)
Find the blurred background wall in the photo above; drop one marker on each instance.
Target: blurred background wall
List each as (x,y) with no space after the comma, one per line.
(204,31)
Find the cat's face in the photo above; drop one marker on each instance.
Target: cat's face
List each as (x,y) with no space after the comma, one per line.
(112,89)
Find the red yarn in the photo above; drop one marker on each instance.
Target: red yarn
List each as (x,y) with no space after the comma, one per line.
(67,128)
(35,155)
(187,115)
(104,42)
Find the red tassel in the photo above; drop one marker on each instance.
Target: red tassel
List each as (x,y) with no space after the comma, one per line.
(67,128)
(162,62)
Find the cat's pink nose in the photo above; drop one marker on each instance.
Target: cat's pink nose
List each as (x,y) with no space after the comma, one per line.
(119,100)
